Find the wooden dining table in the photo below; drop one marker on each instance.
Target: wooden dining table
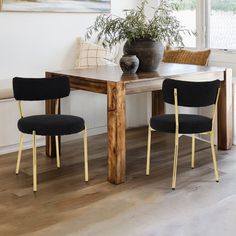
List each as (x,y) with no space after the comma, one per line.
(110,80)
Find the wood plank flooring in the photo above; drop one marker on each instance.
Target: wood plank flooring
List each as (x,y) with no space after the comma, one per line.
(143,206)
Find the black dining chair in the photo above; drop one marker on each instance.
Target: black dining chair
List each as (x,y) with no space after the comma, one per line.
(187,94)
(34,89)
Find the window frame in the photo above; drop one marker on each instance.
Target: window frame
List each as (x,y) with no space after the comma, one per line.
(206,11)
(203,9)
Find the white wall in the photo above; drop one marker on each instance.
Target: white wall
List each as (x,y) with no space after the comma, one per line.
(32,43)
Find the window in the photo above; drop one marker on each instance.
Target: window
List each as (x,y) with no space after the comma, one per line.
(186,14)
(213,20)
(221,24)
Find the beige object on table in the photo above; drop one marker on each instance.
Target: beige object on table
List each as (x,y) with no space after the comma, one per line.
(90,54)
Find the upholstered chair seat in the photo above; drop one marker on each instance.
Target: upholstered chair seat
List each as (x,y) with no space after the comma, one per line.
(188,124)
(51,125)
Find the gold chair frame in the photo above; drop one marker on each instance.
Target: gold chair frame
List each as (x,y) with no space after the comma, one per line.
(57,149)
(211,133)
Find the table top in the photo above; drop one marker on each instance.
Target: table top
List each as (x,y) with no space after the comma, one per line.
(115,74)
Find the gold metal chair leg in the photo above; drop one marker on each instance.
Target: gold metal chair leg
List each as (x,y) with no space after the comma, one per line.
(34,163)
(57,152)
(19,153)
(214,156)
(148,150)
(175,161)
(193,152)
(86,155)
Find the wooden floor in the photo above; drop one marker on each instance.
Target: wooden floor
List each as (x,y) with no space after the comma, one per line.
(143,206)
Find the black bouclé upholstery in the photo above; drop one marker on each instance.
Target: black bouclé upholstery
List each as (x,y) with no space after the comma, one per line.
(191,94)
(188,124)
(42,89)
(28,89)
(51,125)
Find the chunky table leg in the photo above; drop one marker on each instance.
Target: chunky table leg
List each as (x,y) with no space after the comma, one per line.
(158,105)
(225,112)
(116,132)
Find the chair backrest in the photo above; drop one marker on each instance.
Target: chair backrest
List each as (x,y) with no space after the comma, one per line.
(35,89)
(191,94)
(183,56)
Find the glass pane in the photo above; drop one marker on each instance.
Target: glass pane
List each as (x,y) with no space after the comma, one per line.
(222,24)
(186,14)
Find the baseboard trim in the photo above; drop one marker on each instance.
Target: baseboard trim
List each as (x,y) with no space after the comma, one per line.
(26,145)
(41,140)
(91,132)
(234,140)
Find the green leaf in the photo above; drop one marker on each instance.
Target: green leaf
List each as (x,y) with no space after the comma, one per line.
(163,26)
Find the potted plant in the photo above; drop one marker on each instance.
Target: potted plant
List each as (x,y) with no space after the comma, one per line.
(144,35)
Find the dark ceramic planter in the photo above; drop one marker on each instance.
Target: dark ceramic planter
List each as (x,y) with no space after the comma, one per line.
(149,53)
(129,64)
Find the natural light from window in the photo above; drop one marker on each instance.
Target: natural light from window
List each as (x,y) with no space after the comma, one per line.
(186,14)
(222,24)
